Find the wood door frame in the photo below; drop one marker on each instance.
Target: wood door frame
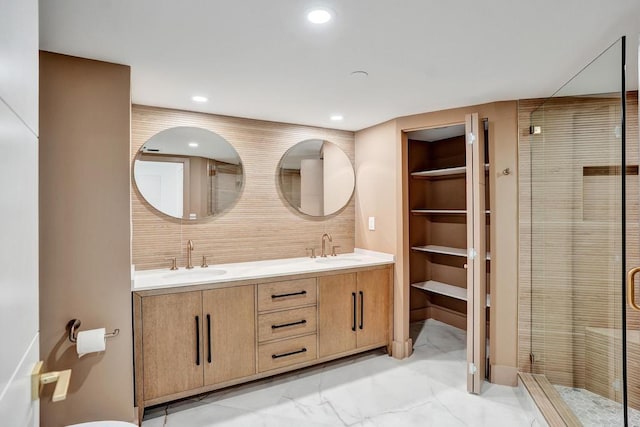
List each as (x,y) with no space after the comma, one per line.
(476,263)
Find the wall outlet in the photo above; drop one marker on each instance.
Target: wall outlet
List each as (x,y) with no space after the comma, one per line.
(372,223)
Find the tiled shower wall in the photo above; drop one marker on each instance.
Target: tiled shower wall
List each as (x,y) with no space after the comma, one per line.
(261,225)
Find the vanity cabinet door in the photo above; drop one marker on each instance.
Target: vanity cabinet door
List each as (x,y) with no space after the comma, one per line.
(172,344)
(229,328)
(373,307)
(337,320)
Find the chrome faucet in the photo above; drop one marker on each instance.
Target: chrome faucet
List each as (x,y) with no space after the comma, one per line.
(189,251)
(324,251)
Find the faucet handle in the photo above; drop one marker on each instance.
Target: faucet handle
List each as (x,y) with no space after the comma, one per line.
(333,250)
(313,252)
(204,262)
(174,265)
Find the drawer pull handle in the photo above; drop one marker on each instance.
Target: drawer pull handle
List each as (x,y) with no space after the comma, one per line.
(284,325)
(361,309)
(209,338)
(198,340)
(291,353)
(353,295)
(289,295)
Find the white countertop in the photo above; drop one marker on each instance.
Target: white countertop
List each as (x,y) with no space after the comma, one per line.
(221,273)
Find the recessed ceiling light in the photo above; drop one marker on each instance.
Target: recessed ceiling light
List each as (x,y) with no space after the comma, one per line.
(337,117)
(319,16)
(199,98)
(193,144)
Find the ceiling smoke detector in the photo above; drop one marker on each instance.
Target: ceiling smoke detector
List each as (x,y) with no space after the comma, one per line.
(359,74)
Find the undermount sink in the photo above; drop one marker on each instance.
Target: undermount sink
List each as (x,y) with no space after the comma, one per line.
(338,260)
(194,274)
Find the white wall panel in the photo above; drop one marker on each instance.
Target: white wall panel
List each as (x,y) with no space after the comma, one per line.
(16,406)
(19,58)
(19,244)
(19,309)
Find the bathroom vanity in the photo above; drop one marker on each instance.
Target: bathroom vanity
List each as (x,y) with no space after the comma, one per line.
(208,328)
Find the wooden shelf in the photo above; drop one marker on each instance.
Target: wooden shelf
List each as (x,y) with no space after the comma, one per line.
(441,172)
(438,211)
(446,290)
(442,211)
(460,170)
(445,250)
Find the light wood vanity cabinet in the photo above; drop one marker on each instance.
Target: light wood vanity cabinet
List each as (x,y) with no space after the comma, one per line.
(354,311)
(374,308)
(287,323)
(196,339)
(229,317)
(189,340)
(172,357)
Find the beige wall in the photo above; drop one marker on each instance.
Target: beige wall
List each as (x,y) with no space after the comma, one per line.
(377,188)
(379,195)
(261,225)
(85,234)
(381,154)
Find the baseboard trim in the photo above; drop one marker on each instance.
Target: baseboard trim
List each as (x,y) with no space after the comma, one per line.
(402,349)
(418,314)
(504,375)
(448,316)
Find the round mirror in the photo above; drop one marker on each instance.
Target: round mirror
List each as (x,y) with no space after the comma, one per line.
(188,173)
(316,177)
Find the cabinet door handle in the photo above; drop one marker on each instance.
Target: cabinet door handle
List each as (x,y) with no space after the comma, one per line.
(198,340)
(284,325)
(289,295)
(361,309)
(291,353)
(353,295)
(209,338)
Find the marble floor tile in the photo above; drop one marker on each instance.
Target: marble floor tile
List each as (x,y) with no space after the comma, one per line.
(371,389)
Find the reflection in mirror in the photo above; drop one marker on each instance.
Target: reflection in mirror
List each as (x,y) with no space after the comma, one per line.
(188,173)
(316,177)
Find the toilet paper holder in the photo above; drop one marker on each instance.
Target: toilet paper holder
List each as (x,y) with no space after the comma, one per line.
(73,326)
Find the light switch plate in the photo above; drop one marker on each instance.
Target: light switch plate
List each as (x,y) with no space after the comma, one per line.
(372,223)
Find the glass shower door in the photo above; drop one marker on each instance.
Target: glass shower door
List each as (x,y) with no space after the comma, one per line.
(579,181)
(632,235)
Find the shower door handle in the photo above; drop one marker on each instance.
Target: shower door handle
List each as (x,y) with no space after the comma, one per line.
(631,288)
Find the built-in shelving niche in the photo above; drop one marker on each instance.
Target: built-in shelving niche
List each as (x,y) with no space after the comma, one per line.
(438,240)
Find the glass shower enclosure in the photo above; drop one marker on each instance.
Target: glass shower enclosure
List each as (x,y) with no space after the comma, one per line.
(582,237)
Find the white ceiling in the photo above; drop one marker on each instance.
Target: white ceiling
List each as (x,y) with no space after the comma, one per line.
(262,59)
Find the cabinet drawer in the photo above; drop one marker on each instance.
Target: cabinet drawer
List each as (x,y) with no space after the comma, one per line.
(292,293)
(282,324)
(287,352)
